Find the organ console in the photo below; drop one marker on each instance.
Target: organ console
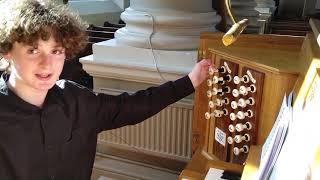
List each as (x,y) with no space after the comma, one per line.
(253,74)
(235,110)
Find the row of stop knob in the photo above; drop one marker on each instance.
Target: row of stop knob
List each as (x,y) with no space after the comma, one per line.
(243,90)
(240,127)
(239,138)
(244,149)
(233,116)
(221,80)
(234,104)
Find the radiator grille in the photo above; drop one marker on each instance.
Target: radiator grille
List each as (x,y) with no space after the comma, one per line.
(169,132)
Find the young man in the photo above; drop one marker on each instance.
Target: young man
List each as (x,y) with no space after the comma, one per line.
(48,128)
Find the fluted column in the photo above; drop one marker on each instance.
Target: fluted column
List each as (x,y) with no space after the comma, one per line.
(168,24)
(246,9)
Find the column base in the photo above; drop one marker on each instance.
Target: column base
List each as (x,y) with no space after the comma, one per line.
(111,60)
(168,29)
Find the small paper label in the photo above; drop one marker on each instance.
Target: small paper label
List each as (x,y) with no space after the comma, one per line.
(251,77)
(227,67)
(220,137)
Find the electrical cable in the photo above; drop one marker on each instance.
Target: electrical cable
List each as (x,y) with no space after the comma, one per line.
(151,48)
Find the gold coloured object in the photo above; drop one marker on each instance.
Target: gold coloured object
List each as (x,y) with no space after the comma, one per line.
(236,29)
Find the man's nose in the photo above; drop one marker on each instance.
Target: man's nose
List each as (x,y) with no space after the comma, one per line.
(46,60)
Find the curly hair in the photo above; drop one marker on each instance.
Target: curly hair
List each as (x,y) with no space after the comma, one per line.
(26,21)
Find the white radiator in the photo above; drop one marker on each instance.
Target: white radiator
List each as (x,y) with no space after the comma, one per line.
(168,133)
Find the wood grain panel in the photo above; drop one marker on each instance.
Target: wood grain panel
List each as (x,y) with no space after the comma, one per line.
(257,96)
(274,61)
(223,122)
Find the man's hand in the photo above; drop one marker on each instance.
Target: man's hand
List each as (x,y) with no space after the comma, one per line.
(200,72)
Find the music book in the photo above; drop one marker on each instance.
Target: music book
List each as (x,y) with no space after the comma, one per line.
(272,146)
(214,173)
(300,155)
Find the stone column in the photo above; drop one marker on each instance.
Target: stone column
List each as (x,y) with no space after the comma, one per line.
(159,36)
(246,9)
(266,9)
(170,24)
(159,43)
(265,6)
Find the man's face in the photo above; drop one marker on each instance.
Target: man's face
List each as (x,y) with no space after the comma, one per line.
(37,67)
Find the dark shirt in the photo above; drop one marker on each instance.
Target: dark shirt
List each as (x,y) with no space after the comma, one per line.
(59,140)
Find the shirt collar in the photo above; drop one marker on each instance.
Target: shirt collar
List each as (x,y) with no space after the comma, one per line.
(51,99)
(3,84)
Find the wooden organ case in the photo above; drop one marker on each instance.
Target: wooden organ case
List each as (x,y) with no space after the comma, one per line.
(238,104)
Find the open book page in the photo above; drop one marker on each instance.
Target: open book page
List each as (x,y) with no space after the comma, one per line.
(214,173)
(299,157)
(273,144)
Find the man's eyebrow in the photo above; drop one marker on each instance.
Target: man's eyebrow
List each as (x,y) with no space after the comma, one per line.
(58,46)
(31,45)
(34,45)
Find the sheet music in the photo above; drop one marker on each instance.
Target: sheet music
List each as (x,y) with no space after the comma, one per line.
(273,144)
(214,174)
(298,156)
